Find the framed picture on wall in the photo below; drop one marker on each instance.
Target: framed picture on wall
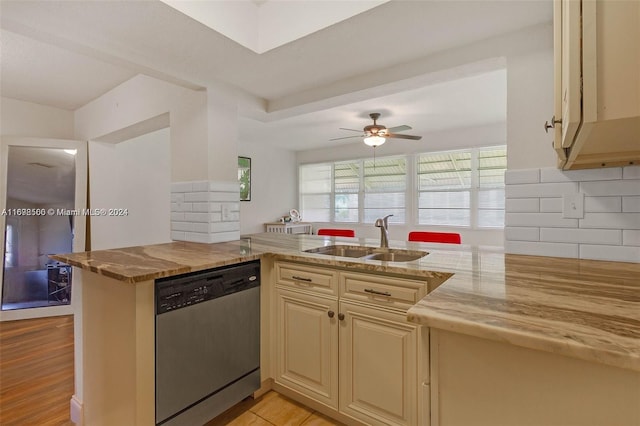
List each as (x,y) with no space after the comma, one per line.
(244,177)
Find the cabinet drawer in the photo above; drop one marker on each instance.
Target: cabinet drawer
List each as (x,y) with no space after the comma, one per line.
(307,277)
(381,290)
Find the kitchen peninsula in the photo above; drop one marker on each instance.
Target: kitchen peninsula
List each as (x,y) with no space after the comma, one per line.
(551,341)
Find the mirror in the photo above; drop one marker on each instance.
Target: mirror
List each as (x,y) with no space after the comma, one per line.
(40,200)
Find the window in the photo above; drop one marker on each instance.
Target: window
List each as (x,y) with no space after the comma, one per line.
(462,188)
(454,188)
(315,192)
(385,187)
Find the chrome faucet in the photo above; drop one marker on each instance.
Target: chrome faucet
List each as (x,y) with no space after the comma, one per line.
(383,224)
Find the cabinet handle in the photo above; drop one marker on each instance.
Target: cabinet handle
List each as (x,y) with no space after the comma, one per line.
(341,317)
(548,126)
(309,280)
(381,293)
(331,314)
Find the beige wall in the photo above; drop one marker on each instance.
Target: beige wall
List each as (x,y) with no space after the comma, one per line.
(20,118)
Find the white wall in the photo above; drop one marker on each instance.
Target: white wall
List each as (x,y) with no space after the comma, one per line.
(274,186)
(21,118)
(134,175)
(529,104)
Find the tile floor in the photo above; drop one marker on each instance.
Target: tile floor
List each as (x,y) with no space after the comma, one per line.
(272,409)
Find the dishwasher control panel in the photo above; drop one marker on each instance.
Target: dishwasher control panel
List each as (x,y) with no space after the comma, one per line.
(189,289)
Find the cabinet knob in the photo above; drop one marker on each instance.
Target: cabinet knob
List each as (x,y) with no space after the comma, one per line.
(331,314)
(340,317)
(551,125)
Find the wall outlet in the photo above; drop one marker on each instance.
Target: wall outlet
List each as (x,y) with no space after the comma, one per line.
(573,206)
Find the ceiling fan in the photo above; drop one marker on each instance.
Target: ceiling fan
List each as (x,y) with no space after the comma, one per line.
(376,134)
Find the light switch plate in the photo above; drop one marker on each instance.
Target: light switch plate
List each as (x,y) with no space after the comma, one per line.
(226,212)
(573,206)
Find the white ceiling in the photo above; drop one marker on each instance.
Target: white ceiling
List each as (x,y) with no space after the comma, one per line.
(64,54)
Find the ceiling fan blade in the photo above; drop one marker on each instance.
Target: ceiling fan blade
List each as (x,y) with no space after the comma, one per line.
(351,130)
(399,128)
(399,136)
(346,137)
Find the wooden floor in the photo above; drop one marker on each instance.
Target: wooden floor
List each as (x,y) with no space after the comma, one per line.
(271,409)
(36,371)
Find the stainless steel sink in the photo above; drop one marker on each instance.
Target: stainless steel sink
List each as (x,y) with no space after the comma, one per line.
(396,256)
(344,251)
(370,253)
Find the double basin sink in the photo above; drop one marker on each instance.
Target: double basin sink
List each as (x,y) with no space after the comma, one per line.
(370,253)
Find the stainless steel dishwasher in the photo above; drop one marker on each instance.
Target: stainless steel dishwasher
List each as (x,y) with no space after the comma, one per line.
(207,342)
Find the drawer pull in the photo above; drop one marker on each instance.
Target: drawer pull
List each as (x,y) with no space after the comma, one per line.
(381,293)
(331,314)
(341,317)
(309,280)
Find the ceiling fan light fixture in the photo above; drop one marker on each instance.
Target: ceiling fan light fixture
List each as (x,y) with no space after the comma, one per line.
(374,141)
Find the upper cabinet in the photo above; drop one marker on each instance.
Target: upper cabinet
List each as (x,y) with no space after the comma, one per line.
(597,83)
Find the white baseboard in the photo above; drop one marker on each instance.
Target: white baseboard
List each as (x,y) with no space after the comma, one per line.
(76,411)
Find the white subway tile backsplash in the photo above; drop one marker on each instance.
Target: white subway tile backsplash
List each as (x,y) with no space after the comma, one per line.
(177,216)
(611,220)
(551,205)
(201,207)
(609,230)
(518,233)
(181,187)
(631,204)
(528,205)
(610,188)
(225,236)
(604,252)
(553,220)
(225,196)
(196,217)
(603,204)
(542,249)
(197,196)
(631,172)
(557,175)
(198,237)
(181,207)
(522,176)
(177,236)
(224,227)
(583,236)
(537,190)
(196,211)
(631,238)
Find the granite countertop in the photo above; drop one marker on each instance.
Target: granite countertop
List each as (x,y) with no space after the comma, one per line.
(585,309)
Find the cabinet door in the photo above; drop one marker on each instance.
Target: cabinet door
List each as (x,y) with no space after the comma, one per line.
(378,366)
(307,342)
(571,70)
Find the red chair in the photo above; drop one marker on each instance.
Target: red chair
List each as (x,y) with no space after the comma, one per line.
(337,232)
(435,237)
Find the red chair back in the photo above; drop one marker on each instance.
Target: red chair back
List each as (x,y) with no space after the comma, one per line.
(337,232)
(435,237)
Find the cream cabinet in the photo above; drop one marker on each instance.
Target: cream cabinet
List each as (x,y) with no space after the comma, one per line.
(307,345)
(378,366)
(353,350)
(596,83)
